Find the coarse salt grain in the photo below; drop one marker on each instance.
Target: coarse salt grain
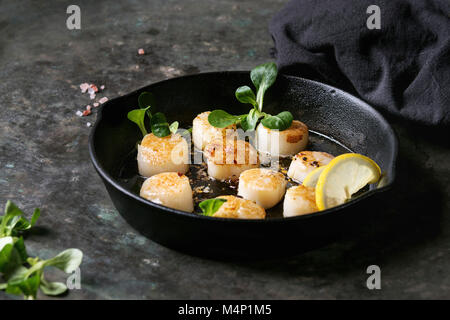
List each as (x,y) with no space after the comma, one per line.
(94,87)
(84,87)
(141,51)
(92,96)
(88,124)
(88,107)
(102,87)
(103,100)
(95,104)
(79,113)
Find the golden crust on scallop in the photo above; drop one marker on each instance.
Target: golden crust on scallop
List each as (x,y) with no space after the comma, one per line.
(294,133)
(156,150)
(203,132)
(167,182)
(170,189)
(261,178)
(313,158)
(282,143)
(301,191)
(299,200)
(239,208)
(231,151)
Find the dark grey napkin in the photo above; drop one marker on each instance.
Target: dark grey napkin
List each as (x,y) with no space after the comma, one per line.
(404,67)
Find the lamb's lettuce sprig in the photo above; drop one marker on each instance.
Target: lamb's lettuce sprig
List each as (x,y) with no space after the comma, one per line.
(158,123)
(21,274)
(262,77)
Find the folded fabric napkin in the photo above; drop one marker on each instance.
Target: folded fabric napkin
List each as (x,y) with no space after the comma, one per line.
(402,67)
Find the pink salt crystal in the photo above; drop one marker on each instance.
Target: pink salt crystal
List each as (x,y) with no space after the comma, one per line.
(94,87)
(102,87)
(103,100)
(96,104)
(141,51)
(84,87)
(88,107)
(92,96)
(86,113)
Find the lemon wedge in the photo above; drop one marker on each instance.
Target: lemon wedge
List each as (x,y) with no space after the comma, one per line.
(312,177)
(344,176)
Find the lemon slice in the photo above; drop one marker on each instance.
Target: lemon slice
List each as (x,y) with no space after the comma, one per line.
(342,177)
(312,177)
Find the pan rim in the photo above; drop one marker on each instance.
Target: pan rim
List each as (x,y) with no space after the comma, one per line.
(107,177)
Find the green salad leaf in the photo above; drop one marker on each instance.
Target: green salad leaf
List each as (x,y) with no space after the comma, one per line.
(146,99)
(138,117)
(210,206)
(21,274)
(263,76)
(14,222)
(174,127)
(221,119)
(245,95)
(251,120)
(52,288)
(158,123)
(281,121)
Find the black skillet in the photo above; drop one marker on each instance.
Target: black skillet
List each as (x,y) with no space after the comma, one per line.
(338,123)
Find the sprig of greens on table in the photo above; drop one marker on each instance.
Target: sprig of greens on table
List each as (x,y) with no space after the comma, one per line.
(263,77)
(21,274)
(158,122)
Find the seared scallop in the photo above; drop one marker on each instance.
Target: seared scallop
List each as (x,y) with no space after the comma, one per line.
(305,162)
(226,158)
(170,189)
(239,208)
(265,187)
(167,154)
(299,200)
(282,143)
(203,132)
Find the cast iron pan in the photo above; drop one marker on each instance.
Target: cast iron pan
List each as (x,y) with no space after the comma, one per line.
(338,123)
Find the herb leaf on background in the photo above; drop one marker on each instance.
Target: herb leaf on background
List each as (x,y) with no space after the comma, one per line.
(21,274)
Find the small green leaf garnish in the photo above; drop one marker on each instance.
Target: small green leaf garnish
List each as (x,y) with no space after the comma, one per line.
(138,117)
(159,125)
(263,76)
(174,127)
(68,260)
(21,274)
(145,100)
(210,206)
(251,121)
(221,119)
(52,288)
(281,121)
(245,95)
